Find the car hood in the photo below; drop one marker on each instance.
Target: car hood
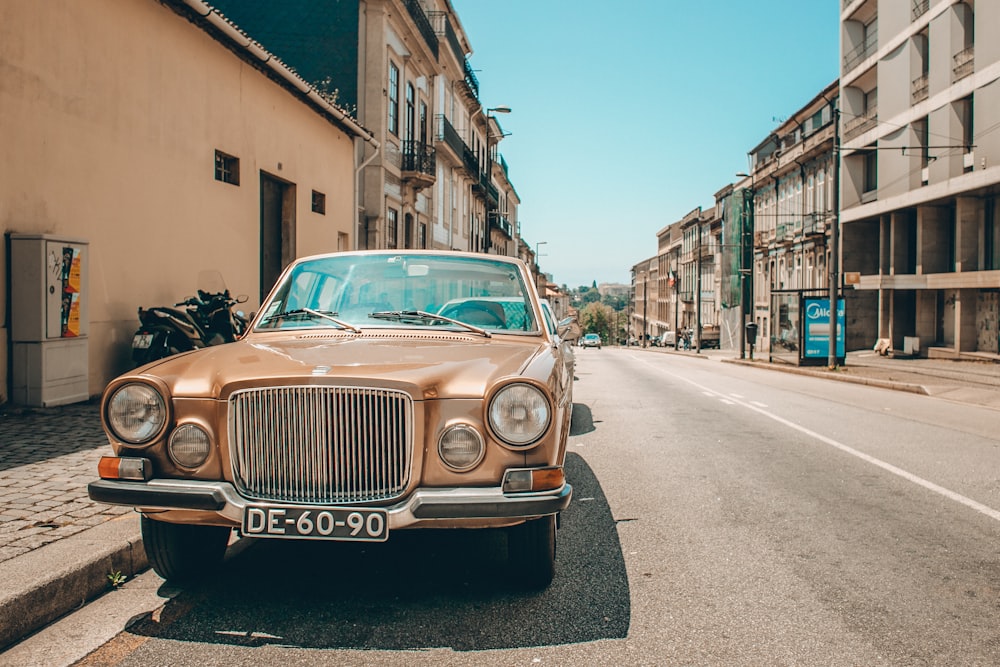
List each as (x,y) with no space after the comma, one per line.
(424,365)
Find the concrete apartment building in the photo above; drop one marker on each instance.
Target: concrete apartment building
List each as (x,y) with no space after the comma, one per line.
(920,181)
(155,140)
(439,181)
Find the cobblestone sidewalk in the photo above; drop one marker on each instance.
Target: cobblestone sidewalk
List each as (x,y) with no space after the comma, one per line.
(47,458)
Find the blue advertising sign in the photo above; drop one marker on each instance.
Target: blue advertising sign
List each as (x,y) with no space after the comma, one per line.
(817,325)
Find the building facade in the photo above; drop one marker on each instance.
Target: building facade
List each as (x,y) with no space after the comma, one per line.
(791,186)
(920,179)
(162,137)
(439,181)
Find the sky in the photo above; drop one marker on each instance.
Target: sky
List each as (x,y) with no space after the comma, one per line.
(625,116)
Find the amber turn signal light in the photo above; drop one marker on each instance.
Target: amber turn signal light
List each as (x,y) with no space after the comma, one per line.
(119,467)
(533,479)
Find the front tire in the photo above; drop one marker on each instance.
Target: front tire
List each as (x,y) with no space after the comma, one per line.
(531,551)
(182,553)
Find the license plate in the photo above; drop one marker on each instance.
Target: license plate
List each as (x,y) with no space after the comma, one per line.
(319,523)
(142,341)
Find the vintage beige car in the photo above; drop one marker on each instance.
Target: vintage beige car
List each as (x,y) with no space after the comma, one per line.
(374,391)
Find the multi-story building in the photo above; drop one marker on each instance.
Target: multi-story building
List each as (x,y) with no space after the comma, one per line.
(920,173)
(791,186)
(403,65)
(643,301)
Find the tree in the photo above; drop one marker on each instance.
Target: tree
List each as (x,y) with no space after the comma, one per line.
(597,318)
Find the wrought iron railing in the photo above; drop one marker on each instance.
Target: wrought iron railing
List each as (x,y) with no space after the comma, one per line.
(423,24)
(964,63)
(449,135)
(442,27)
(920,7)
(502,223)
(420,157)
(471,80)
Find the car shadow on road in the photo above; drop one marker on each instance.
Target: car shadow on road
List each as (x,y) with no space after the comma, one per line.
(420,590)
(582,420)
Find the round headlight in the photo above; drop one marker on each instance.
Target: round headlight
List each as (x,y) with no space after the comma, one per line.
(189,445)
(461,447)
(136,413)
(519,414)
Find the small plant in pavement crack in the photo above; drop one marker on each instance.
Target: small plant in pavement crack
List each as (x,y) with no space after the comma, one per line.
(116,578)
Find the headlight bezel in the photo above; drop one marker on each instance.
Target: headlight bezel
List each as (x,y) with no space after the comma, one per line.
(112,413)
(465,427)
(504,434)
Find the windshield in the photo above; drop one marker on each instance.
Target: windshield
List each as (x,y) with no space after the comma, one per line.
(362,290)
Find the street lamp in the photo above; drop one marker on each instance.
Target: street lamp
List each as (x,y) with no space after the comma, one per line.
(746,272)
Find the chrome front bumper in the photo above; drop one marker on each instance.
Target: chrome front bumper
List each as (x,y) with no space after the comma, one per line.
(423,506)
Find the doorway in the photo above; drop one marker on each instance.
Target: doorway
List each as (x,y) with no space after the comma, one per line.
(277,229)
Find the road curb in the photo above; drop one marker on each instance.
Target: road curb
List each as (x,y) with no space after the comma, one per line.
(62,576)
(833,375)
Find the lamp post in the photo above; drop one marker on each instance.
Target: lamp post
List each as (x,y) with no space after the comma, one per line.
(746,272)
(491,140)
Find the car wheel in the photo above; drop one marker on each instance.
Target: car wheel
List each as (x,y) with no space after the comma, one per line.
(183,553)
(531,550)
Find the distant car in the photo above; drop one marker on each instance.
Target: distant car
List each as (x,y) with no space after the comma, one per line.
(354,407)
(668,339)
(591,340)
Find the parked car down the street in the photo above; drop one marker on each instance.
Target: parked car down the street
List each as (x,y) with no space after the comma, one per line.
(591,340)
(356,405)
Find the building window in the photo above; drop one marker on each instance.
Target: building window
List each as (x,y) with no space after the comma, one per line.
(342,241)
(965,113)
(871,170)
(227,168)
(391,228)
(319,202)
(411,111)
(394,99)
(422,235)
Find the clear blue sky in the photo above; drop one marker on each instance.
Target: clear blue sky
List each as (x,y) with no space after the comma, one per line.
(628,115)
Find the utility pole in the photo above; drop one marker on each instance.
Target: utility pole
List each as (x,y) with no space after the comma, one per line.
(697,293)
(833,264)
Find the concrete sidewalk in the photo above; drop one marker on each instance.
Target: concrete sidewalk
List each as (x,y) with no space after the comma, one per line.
(58,549)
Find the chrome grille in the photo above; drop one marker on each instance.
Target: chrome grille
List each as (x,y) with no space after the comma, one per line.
(321,444)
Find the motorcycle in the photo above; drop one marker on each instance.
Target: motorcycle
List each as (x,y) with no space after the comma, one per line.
(199,321)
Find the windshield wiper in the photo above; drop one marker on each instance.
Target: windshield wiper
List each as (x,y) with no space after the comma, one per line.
(323,314)
(400,315)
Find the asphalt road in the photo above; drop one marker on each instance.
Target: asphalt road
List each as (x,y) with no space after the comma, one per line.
(722,515)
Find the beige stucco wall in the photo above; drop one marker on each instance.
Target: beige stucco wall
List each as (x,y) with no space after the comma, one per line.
(110,113)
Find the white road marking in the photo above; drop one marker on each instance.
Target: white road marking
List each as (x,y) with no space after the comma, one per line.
(888,467)
(758,404)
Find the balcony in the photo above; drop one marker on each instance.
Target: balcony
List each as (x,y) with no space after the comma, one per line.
(859,125)
(964,63)
(920,7)
(814,224)
(419,164)
(498,221)
(469,87)
(423,24)
(449,142)
(442,27)
(761,239)
(855,56)
(487,190)
(918,89)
